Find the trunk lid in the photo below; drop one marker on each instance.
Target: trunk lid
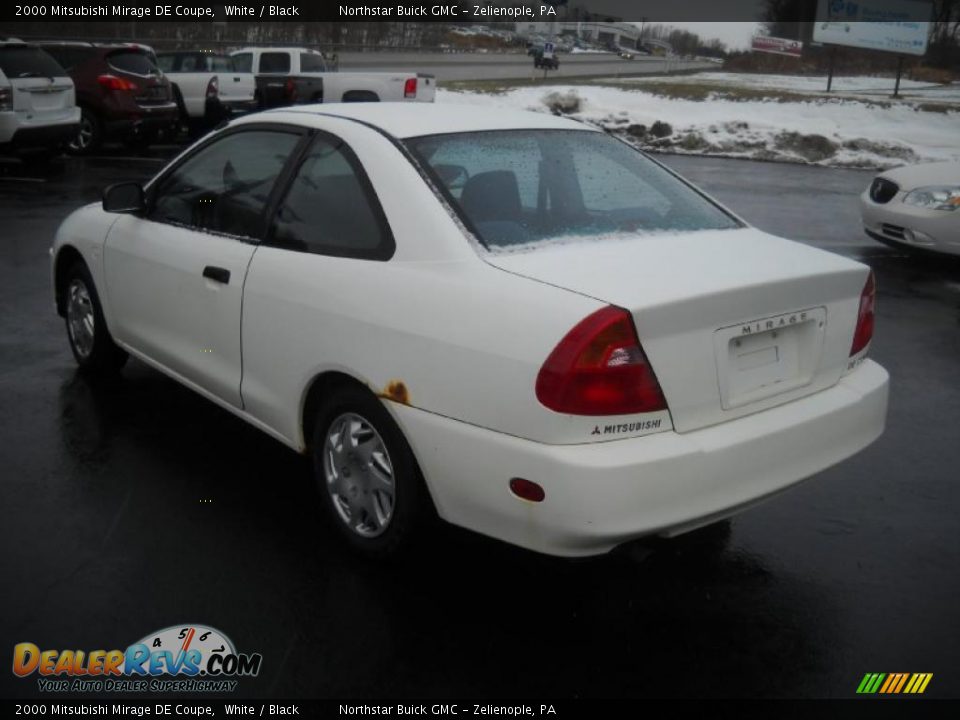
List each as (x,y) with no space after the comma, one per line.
(37,82)
(236,87)
(37,95)
(732,321)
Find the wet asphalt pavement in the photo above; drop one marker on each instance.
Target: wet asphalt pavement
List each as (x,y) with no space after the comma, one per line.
(105,535)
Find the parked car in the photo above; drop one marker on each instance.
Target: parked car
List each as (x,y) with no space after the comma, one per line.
(512,319)
(207,88)
(38,112)
(121,92)
(915,207)
(288,76)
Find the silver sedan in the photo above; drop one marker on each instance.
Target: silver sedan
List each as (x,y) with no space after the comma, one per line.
(916,207)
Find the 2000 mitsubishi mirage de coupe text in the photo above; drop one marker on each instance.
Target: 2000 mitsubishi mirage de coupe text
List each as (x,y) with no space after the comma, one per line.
(510,320)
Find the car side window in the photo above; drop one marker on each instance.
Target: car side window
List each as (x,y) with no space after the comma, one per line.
(310,62)
(167,63)
(68,57)
(330,207)
(242,62)
(218,63)
(190,64)
(224,187)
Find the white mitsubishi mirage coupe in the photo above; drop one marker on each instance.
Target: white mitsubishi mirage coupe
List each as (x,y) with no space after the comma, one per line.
(511,320)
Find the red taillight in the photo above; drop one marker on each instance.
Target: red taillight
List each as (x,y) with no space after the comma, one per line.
(112,82)
(864,332)
(527,490)
(599,368)
(290,90)
(410,88)
(213,87)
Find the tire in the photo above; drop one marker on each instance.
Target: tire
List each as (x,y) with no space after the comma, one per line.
(90,341)
(372,490)
(90,135)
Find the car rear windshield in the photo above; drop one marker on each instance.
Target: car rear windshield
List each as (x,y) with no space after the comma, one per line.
(539,186)
(132,61)
(26,61)
(272,62)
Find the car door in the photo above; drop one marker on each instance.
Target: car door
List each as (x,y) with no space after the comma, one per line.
(175,273)
(311,282)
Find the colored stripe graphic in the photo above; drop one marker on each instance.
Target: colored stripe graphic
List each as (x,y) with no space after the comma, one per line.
(894,683)
(903,680)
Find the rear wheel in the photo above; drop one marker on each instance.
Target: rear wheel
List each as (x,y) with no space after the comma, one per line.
(90,341)
(366,474)
(89,134)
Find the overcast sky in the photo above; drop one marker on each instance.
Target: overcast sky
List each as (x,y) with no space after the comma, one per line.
(735,34)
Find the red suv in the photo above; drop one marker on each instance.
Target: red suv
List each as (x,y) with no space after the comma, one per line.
(121,92)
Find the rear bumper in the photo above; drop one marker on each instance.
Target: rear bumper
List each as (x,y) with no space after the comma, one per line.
(601,495)
(19,133)
(217,109)
(147,119)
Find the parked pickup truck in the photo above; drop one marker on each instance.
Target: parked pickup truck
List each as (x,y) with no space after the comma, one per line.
(289,76)
(207,87)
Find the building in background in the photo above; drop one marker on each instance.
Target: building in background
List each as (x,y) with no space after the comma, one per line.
(613,33)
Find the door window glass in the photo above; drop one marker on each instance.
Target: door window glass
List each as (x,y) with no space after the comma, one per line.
(225,186)
(331,209)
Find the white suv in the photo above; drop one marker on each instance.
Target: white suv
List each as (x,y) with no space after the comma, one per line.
(38,110)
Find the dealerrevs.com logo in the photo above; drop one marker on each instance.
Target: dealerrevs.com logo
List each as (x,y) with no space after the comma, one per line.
(180,658)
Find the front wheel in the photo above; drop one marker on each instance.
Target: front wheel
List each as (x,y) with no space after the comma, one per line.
(367,476)
(90,341)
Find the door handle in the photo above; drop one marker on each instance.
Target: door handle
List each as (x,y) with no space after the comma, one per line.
(217,274)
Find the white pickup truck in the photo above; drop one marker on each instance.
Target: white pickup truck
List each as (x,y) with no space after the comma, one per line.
(207,87)
(293,75)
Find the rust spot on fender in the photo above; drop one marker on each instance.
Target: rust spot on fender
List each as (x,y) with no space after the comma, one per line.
(396,390)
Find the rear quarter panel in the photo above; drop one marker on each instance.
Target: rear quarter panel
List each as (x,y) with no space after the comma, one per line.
(464,339)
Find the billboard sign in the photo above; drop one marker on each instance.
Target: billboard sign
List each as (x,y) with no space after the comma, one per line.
(899,26)
(777,46)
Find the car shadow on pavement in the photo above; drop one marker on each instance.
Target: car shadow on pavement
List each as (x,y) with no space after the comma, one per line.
(152,506)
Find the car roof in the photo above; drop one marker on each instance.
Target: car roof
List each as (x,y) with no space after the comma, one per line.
(411,119)
(95,45)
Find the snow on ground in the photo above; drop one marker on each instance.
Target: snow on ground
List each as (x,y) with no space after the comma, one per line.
(831,131)
(874,87)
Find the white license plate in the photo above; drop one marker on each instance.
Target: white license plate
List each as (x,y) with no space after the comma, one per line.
(769,356)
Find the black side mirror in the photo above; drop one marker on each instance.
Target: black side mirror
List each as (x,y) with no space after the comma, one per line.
(125,197)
